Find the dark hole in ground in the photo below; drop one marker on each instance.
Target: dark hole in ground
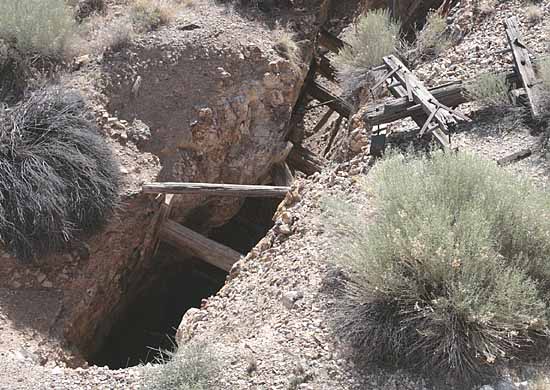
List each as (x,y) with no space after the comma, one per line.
(249,226)
(176,284)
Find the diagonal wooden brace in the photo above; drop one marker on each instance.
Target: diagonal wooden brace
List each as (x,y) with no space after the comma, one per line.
(383,79)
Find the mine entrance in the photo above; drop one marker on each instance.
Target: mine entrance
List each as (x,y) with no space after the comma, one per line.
(177,283)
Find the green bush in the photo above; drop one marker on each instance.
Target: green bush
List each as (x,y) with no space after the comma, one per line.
(191,367)
(375,35)
(37,26)
(490,89)
(452,276)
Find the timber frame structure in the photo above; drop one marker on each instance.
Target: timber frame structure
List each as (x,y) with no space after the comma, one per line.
(434,109)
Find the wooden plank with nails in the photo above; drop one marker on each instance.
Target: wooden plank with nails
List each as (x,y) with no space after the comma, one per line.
(524,67)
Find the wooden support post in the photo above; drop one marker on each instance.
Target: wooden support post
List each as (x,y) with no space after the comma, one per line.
(320,93)
(239,190)
(323,121)
(333,132)
(524,68)
(328,40)
(208,250)
(303,160)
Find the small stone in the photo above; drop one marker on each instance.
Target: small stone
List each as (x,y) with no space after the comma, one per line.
(57,370)
(285,229)
(486,387)
(290,298)
(47,284)
(16,284)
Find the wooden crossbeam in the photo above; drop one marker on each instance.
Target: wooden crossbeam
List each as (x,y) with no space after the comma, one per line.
(239,190)
(524,67)
(421,95)
(203,247)
(323,95)
(450,94)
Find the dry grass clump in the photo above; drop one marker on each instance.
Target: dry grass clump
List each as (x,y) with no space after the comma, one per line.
(59,177)
(287,47)
(491,90)
(191,367)
(534,14)
(432,40)
(99,35)
(148,15)
(40,27)
(375,35)
(452,277)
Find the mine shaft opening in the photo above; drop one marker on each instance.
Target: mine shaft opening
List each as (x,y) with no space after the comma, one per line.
(177,283)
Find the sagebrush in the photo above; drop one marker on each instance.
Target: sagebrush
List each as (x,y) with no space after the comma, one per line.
(149,15)
(190,367)
(490,89)
(59,177)
(374,36)
(452,276)
(432,40)
(40,27)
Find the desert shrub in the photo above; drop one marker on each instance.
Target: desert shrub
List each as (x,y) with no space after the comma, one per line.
(452,275)
(490,89)
(149,15)
(375,35)
(534,14)
(59,177)
(190,367)
(432,39)
(37,26)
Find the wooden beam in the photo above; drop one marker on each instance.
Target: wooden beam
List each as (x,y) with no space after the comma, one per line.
(304,160)
(524,68)
(450,94)
(421,95)
(323,95)
(517,156)
(240,190)
(208,250)
(331,42)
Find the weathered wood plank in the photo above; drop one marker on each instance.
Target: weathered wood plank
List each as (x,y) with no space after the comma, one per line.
(305,161)
(524,68)
(421,95)
(322,94)
(203,247)
(249,191)
(517,156)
